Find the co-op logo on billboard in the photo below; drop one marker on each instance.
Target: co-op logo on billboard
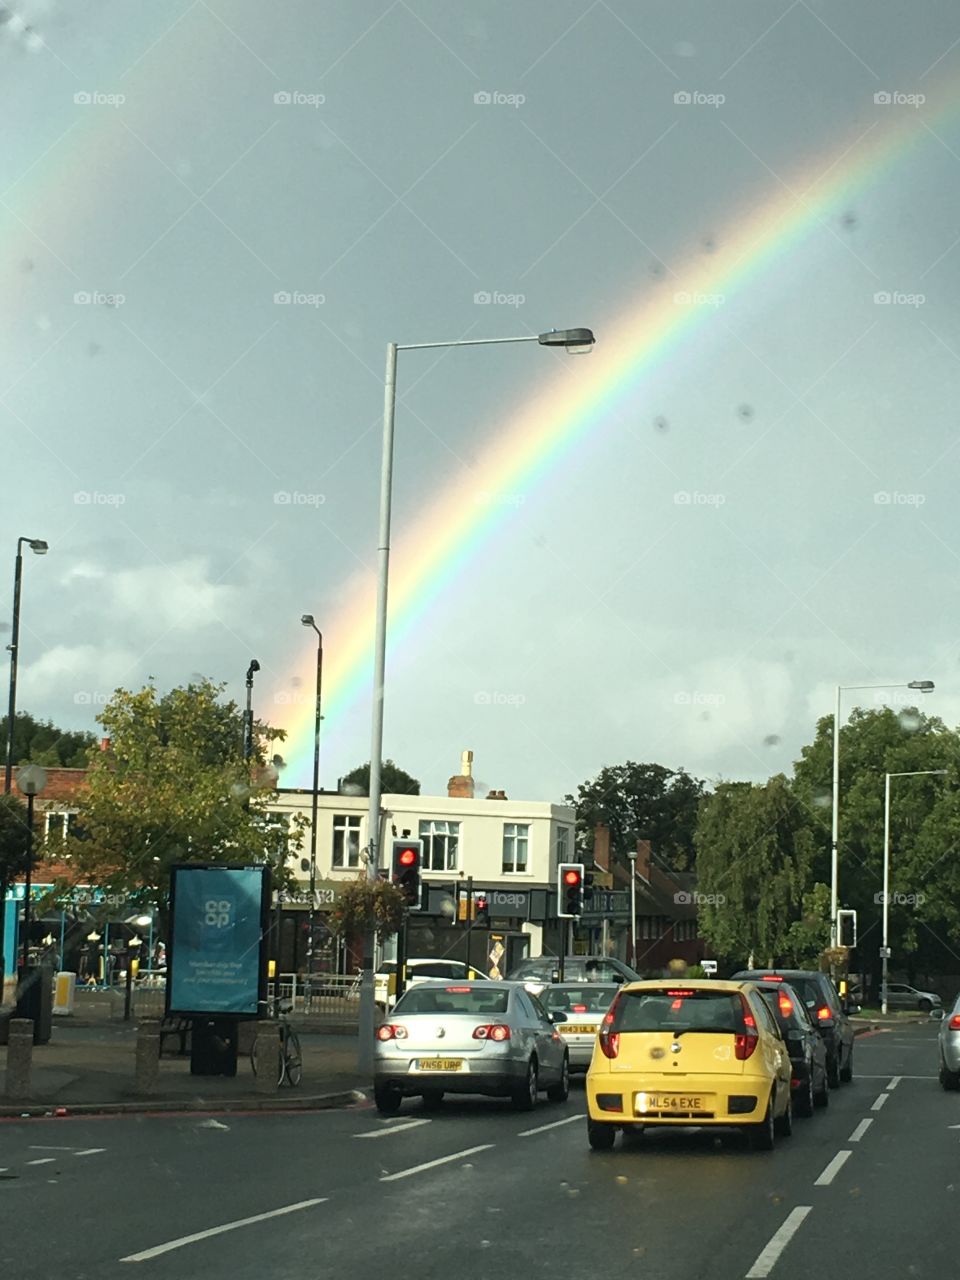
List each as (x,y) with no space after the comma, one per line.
(218,913)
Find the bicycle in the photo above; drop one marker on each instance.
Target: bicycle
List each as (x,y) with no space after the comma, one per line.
(290,1057)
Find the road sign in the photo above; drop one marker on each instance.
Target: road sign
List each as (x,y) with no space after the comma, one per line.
(885,953)
(709,966)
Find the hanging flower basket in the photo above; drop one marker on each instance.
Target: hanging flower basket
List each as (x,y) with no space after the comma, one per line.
(368,904)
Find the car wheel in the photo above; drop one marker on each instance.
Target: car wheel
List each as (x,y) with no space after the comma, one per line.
(805,1103)
(525,1095)
(601,1136)
(388,1099)
(924,1006)
(833,1072)
(822,1097)
(846,1073)
(561,1091)
(784,1123)
(763,1136)
(949,1079)
(433,1100)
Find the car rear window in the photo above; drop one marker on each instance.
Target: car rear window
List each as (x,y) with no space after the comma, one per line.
(590,998)
(467,1000)
(809,991)
(679,1009)
(782,1004)
(439,969)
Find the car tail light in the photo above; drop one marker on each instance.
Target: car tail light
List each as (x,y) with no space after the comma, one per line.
(492,1031)
(391,1031)
(824,1016)
(954,1023)
(609,1039)
(746,1040)
(579,1008)
(785,1003)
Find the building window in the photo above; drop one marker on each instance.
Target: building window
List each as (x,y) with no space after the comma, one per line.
(516,837)
(563,844)
(346,840)
(441,845)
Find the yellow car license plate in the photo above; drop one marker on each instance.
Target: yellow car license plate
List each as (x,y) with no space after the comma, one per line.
(439,1064)
(670,1102)
(568,1030)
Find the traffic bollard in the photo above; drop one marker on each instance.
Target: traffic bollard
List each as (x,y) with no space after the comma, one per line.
(267,1051)
(147,1070)
(19,1057)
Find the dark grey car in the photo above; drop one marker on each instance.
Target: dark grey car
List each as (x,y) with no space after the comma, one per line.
(823,1004)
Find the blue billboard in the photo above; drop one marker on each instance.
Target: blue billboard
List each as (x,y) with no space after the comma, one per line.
(216,959)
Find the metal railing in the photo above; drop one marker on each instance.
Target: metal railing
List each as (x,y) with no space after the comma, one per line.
(331,996)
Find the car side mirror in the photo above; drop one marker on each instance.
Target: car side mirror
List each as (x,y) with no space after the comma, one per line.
(936,1014)
(558,1016)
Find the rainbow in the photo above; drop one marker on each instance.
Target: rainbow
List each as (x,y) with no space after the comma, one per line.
(433,550)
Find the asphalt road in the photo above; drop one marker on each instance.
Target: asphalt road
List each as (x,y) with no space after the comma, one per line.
(865,1188)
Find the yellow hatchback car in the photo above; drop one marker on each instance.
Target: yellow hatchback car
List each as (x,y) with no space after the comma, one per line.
(704,1053)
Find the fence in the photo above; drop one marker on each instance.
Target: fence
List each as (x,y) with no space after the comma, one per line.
(334,997)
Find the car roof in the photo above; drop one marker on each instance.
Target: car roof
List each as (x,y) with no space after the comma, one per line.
(786,973)
(729,985)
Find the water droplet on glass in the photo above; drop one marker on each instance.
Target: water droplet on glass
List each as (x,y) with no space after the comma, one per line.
(772,740)
(745,412)
(661,424)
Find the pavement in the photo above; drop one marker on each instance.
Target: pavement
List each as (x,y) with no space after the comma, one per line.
(88,1067)
(865,1186)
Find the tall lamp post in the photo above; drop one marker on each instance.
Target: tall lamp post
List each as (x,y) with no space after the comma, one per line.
(924,686)
(885,949)
(31,780)
(248,714)
(575,341)
(632,855)
(308,621)
(40,548)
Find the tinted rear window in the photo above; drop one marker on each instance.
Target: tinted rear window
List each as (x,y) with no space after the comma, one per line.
(809,990)
(468,1000)
(439,969)
(672,1009)
(590,998)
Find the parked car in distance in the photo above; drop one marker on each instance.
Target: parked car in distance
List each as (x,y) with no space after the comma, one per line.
(809,1083)
(489,1037)
(537,972)
(679,1052)
(825,1008)
(584,1004)
(418,968)
(949,1046)
(901,996)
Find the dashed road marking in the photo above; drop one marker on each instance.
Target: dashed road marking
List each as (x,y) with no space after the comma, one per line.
(833,1168)
(879,1101)
(768,1256)
(385,1133)
(90,1151)
(893,1083)
(860,1130)
(155,1252)
(432,1164)
(44,1160)
(555,1124)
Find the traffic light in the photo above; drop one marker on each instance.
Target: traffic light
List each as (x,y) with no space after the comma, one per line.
(482,913)
(570,889)
(846,928)
(407,855)
(588,889)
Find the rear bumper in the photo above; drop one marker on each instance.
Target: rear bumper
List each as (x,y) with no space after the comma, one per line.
(715,1100)
(496,1077)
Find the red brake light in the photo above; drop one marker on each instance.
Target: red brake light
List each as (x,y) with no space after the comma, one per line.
(954,1023)
(771,977)
(492,1031)
(786,1004)
(610,1040)
(391,1031)
(579,1008)
(824,1014)
(459,991)
(746,1041)
(681,994)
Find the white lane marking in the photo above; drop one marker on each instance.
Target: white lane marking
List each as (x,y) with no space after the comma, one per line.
(833,1168)
(542,1128)
(432,1164)
(767,1259)
(90,1151)
(385,1133)
(879,1101)
(861,1076)
(893,1083)
(44,1160)
(860,1130)
(155,1252)
(34,1146)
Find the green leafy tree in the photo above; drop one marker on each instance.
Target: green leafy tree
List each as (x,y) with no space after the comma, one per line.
(174,787)
(14,851)
(41,742)
(642,802)
(393,780)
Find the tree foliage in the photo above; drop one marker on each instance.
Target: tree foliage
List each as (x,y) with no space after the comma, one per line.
(41,742)
(369,904)
(642,802)
(175,787)
(394,781)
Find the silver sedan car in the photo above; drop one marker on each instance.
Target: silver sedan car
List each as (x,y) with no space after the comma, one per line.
(486,1037)
(583,1004)
(950,1048)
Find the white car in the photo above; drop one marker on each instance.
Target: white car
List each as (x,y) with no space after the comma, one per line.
(384,980)
(901,996)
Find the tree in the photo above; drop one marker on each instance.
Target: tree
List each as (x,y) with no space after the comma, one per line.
(174,787)
(14,851)
(755,851)
(393,780)
(645,802)
(41,742)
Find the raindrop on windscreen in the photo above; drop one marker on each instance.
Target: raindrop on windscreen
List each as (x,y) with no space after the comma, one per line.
(656,269)
(745,412)
(909,721)
(27,264)
(772,740)
(296,681)
(822,799)
(849,219)
(661,424)
(94,348)
(708,244)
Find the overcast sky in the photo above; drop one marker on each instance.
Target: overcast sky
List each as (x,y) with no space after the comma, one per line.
(169,169)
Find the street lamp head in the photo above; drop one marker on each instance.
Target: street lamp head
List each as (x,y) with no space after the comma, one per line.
(38,546)
(632,855)
(307,619)
(925,686)
(577,341)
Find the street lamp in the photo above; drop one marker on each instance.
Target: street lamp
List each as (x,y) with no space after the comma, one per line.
(575,341)
(308,621)
(632,855)
(924,686)
(885,949)
(248,714)
(40,548)
(31,780)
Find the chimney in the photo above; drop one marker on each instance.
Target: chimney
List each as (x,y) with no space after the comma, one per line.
(496,795)
(104,744)
(460,786)
(601,846)
(643,859)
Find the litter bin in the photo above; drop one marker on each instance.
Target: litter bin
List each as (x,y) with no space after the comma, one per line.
(213,1047)
(35,1000)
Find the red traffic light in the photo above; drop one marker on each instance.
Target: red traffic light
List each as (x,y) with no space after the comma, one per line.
(407,857)
(571,877)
